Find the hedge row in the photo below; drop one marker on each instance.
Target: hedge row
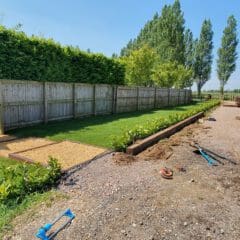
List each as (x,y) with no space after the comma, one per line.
(120,143)
(35,58)
(16,181)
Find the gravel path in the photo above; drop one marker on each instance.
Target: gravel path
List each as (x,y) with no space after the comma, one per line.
(132,201)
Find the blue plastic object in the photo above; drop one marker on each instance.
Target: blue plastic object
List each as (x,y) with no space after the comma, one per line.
(42,232)
(210,160)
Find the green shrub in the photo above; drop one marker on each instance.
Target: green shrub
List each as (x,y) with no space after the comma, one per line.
(35,58)
(16,181)
(120,143)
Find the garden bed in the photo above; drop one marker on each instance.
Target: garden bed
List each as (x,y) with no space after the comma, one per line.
(7,147)
(139,132)
(68,154)
(149,141)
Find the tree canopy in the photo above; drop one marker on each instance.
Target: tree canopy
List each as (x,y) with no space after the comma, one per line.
(203,55)
(139,65)
(164,33)
(227,54)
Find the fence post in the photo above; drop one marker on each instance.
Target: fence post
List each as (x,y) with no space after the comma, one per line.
(1,111)
(113,98)
(116,99)
(74,101)
(137,108)
(168,96)
(45,102)
(155,97)
(94,100)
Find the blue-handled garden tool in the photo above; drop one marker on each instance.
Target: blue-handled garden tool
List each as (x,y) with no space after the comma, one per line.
(211,161)
(42,232)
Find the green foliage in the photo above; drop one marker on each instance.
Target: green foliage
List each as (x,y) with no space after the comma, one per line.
(190,45)
(184,77)
(174,46)
(139,65)
(34,58)
(164,33)
(172,74)
(164,75)
(203,55)
(17,181)
(120,143)
(227,54)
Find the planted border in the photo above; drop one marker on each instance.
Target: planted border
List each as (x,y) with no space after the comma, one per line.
(120,143)
(19,180)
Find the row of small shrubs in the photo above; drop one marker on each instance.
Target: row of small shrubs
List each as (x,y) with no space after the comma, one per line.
(19,180)
(34,58)
(120,143)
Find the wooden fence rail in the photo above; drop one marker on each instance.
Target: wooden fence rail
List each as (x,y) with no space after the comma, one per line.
(25,103)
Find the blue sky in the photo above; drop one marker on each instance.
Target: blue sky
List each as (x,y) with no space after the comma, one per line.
(107,25)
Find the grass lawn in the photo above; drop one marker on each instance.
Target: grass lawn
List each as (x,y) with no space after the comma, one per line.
(95,130)
(10,209)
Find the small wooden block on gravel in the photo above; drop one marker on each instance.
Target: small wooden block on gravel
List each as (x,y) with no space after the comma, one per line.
(68,154)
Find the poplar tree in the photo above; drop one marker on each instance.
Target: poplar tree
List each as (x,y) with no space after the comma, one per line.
(203,55)
(171,34)
(164,33)
(227,54)
(189,43)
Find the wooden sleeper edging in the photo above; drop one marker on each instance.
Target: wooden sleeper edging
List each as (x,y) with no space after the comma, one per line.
(136,148)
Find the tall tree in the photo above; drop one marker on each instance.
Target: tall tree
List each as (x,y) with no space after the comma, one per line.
(227,54)
(203,55)
(164,33)
(170,30)
(190,45)
(189,49)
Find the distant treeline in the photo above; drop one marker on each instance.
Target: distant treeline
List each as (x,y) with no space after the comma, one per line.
(35,58)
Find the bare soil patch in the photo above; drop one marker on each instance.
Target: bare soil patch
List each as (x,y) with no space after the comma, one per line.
(123,159)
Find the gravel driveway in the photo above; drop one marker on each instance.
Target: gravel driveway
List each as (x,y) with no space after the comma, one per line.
(132,201)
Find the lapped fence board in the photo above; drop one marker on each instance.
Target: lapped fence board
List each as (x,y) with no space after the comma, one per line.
(29,102)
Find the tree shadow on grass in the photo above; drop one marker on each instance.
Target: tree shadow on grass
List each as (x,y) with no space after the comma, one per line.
(84,124)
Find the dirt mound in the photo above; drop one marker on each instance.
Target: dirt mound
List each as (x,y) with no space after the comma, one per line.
(162,150)
(123,158)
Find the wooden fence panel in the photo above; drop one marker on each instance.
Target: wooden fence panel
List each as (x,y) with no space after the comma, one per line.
(182,96)
(60,101)
(146,98)
(28,102)
(173,97)
(84,99)
(161,97)
(127,99)
(103,99)
(22,103)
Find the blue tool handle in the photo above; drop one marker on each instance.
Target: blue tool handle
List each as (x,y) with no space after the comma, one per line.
(68,213)
(210,160)
(42,232)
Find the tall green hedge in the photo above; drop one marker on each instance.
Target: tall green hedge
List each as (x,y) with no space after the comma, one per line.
(35,58)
